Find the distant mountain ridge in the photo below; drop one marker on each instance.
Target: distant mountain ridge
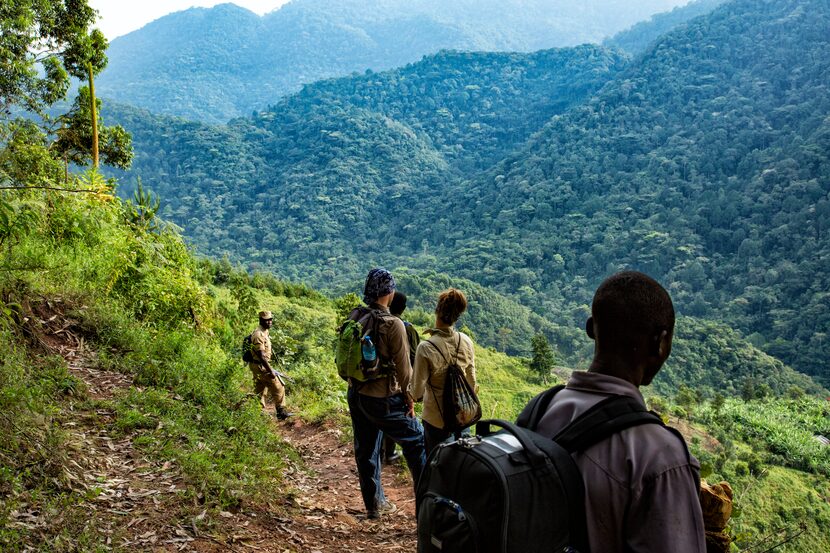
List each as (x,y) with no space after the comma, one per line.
(215,64)
(704,162)
(637,38)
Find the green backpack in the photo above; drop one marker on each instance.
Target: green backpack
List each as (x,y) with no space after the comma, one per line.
(361,324)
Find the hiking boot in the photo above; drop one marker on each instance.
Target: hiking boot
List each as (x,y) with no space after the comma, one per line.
(282,414)
(389,459)
(385,508)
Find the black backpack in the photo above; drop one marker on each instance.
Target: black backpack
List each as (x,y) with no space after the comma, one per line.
(247,349)
(513,490)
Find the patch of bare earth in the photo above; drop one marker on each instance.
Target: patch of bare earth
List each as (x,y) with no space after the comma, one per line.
(139,503)
(332,517)
(706,440)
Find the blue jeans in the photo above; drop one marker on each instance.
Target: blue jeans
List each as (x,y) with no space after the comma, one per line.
(372,418)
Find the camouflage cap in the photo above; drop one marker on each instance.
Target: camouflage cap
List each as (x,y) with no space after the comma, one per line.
(265,315)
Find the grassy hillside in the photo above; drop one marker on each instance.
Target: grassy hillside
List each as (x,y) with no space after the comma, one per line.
(142,306)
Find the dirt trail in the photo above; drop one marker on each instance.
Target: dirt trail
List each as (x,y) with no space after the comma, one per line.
(332,519)
(137,502)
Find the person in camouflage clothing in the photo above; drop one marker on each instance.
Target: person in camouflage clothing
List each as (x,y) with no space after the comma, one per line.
(265,377)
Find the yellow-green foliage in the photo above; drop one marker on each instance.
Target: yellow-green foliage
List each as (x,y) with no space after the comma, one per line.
(140,305)
(774,505)
(176,324)
(505,383)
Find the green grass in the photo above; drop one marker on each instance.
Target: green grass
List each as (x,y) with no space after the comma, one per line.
(774,505)
(174,323)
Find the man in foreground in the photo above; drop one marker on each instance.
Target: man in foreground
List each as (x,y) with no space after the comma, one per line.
(641,484)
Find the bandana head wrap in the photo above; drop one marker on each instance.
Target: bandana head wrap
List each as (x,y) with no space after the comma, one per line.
(379,283)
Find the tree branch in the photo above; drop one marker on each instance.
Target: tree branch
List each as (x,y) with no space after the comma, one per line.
(30,268)
(88,191)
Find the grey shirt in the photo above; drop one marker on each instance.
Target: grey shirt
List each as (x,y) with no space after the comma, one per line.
(641,487)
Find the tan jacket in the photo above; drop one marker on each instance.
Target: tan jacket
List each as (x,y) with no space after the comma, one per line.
(641,491)
(260,342)
(392,346)
(431,369)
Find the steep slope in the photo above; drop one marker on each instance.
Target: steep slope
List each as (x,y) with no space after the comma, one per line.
(705,164)
(215,64)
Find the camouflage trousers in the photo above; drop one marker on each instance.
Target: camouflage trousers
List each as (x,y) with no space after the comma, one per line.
(264,383)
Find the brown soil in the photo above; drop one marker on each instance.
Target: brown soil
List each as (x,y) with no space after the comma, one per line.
(328,515)
(707,441)
(138,504)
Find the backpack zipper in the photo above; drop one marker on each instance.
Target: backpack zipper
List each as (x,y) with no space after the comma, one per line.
(471,446)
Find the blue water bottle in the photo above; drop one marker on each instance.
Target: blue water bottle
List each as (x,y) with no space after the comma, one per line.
(368,349)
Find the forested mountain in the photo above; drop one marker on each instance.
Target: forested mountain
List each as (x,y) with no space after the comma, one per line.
(704,163)
(215,64)
(315,168)
(637,38)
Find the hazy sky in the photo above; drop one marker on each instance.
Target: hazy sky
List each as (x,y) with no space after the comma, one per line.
(119,17)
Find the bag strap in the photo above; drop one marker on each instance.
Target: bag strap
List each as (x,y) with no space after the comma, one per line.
(532,413)
(611,415)
(444,357)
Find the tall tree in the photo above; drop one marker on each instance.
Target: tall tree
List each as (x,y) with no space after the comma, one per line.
(56,36)
(76,142)
(84,60)
(52,34)
(542,361)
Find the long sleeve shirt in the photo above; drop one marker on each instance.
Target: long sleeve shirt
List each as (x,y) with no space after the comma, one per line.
(261,349)
(641,485)
(431,361)
(392,347)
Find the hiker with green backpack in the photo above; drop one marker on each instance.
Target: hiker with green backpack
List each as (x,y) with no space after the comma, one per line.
(446,350)
(373,357)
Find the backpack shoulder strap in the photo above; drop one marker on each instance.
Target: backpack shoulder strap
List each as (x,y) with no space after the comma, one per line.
(354,315)
(444,357)
(609,416)
(436,348)
(457,347)
(532,413)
